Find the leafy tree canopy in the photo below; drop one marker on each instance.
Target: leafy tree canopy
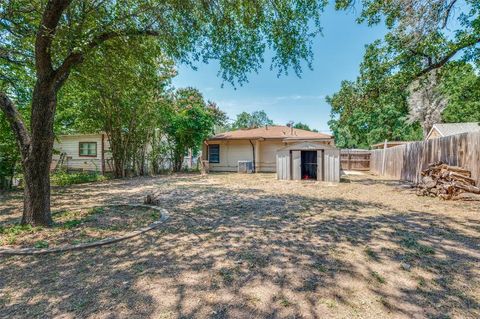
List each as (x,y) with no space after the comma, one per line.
(255,119)
(424,38)
(237,33)
(302,126)
(43,41)
(461,86)
(119,90)
(191,121)
(424,34)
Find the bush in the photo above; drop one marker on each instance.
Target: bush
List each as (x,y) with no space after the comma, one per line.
(65,179)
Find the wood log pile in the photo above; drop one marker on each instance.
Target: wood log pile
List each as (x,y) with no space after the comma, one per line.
(448,182)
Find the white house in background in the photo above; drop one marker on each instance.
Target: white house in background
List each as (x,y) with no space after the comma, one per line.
(86,152)
(91,152)
(447,129)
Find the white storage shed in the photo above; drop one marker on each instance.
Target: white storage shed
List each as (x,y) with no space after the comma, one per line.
(309,161)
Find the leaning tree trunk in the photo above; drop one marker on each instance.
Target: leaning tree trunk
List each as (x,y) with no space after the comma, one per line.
(36,161)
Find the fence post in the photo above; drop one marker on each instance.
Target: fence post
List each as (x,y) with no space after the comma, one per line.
(384,157)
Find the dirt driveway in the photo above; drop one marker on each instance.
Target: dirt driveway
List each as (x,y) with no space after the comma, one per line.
(249,246)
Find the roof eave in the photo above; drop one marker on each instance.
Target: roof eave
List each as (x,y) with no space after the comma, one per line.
(296,138)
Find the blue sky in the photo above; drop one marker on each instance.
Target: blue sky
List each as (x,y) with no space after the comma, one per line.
(337,55)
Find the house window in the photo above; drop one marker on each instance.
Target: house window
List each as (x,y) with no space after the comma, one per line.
(87,149)
(214,153)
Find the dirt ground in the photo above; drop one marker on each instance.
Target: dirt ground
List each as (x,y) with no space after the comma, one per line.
(77,226)
(249,246)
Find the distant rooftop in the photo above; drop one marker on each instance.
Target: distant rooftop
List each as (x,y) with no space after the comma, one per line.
(447,129)
(274,132)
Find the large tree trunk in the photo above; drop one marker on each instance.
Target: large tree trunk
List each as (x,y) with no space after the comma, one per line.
(36,209)
(36,162)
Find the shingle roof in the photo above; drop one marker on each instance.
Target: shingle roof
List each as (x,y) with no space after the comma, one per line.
(276,131)
(446,129)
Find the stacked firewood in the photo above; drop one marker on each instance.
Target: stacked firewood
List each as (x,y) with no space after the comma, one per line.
(448,182)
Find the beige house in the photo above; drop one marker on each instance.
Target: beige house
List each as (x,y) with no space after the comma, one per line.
(447,129)
(86,152)
(259,145)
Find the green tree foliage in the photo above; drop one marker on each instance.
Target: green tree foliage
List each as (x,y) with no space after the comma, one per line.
(302,126)
(255,119)
(369,111)
(358,122)
(46,39)
(461,85)
(119,90)
(372,108)
(424,37)
(9,155)
(191,121)
(424,34)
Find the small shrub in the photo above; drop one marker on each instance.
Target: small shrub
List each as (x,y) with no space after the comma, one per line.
(155,215)
(227,275)
(16,229)
(71,223)
(378,277)
(371,253)
(97,210)
(422,282)
(285,302)
(41,244)
(412,243)
(320,267)
(65,179)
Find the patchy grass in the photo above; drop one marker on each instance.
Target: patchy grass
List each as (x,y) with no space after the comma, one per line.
(249,246)
(379,278)
(371,253)
(285,302)
(413,244)
(65,179)
(78,226)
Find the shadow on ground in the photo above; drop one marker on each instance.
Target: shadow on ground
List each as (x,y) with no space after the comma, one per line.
(233,252)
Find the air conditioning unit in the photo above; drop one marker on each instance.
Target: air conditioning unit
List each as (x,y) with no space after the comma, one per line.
(245,167)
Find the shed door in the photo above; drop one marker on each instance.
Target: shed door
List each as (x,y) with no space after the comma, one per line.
(320,156)
(332,165)
(296,165)
(283,165)
(309,164)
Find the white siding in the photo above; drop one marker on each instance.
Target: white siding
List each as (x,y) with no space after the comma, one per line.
(69,144)
(283,165)
(320,167)
(296,165)
(332,165)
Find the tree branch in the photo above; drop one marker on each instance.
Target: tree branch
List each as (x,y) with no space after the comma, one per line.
(16,123)
(447,57)
(43,41)
(75,58)
(448,10)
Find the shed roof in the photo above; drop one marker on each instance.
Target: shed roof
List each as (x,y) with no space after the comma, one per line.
(447,129)
(306,146)
(271,132)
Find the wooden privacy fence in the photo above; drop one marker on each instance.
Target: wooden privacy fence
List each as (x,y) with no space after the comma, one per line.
(406,162)
(355,160)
